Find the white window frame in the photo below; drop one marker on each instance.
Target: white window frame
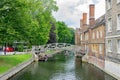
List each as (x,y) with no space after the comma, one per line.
(118,46)
(109,46)
(109,2)
(109,25)
(118,22)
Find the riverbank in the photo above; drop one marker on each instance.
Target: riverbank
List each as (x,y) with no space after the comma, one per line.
(99,64)
(11,64)
(20,62)
(9,61)
(62,68)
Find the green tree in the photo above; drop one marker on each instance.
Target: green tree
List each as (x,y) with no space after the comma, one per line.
(64,33)
(12,20)
(42,18)
(73,35)
(52,34)
(26,20)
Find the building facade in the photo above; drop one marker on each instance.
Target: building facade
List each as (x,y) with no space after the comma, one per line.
(77,36)
(92,38)
(84,34)
(112,63)
(97,43)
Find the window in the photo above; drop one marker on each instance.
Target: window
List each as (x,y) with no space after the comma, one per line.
(108,4)
(109,25)
(101,34)
(109,46)
(118,45)
(118,22)
(97,34)
(96,48)
(100,48)
(81,37)
(92,48)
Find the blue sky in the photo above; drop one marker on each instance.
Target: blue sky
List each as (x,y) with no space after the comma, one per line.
(70,11)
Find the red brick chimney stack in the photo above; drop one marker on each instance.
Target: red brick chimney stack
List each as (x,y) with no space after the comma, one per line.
(84,18)
(81,23)
(91,14)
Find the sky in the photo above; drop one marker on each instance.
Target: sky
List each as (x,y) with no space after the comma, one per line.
(70,11)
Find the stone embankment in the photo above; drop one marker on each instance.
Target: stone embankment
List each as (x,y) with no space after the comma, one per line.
(42,56)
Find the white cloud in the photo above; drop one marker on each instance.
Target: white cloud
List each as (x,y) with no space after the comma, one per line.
(100,8)
(70,11)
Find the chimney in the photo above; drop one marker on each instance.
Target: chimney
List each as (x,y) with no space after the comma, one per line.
(91,15)
(81,23)
(84,18)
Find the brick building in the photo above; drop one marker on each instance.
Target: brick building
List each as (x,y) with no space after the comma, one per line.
(112,63)
(84,33)
(97,43)
(100,39)
(77,36)
(92,38)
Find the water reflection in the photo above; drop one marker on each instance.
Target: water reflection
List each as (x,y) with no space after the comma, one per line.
(85,71)
(61,68)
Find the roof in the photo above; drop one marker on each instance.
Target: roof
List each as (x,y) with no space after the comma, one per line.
(100,21)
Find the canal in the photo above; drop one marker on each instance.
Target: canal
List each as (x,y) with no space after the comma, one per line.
(61,67)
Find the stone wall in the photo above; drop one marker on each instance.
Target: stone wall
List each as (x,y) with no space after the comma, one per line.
(112,60)
(113,69)
(114,34)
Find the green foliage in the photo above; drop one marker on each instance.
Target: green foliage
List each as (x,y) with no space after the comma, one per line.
(20,48)
(73,35)
(65,34)
(30,21)
(26,20)
(52,34)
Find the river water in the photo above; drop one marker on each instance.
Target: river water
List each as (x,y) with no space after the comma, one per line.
(61,67)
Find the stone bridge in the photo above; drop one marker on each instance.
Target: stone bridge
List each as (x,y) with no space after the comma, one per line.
(40,51)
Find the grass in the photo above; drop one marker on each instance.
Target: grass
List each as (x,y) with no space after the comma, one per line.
(9,61)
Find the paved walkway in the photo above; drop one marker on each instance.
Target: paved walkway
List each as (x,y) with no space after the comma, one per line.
(11,53)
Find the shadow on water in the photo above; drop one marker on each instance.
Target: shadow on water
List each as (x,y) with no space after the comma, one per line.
(61,67)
